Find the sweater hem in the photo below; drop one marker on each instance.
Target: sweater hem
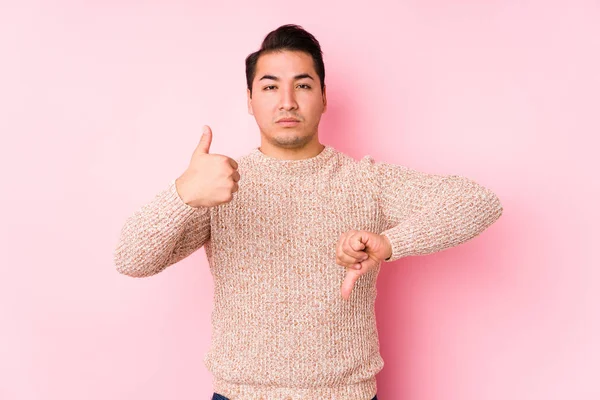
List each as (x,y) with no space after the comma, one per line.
(364,390)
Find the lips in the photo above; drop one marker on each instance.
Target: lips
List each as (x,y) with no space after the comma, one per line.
(288,120)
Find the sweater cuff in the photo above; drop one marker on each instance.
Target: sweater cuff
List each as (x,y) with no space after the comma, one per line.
(401,240)
(176,203)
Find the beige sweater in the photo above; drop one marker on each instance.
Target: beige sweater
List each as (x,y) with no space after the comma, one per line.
(280,327)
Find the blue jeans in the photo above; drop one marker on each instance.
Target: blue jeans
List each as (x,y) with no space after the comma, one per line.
(217,396)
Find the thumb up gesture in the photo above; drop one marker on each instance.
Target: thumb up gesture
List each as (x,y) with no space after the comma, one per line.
(210,179)
(360,251)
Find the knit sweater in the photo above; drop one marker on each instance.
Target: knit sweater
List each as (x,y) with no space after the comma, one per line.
(280,327)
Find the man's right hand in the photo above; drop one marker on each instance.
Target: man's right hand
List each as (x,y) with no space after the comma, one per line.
(210,179)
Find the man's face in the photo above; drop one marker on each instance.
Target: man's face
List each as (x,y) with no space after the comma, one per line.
(286,85)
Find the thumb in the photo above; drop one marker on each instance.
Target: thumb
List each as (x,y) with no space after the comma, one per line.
(205,140)
(348,284)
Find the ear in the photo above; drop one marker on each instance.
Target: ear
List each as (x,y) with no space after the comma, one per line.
(324,98)
(249,96)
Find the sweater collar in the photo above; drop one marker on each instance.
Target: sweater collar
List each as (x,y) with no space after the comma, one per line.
(303,166)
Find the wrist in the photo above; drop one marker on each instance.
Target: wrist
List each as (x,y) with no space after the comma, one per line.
(179,187)
(388,248)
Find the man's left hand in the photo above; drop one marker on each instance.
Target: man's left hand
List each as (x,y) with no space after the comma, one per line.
(359,251)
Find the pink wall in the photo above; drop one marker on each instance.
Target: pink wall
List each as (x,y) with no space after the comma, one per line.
(102,104)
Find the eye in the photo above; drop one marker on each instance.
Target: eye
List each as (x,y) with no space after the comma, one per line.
(267,87)
(305,85)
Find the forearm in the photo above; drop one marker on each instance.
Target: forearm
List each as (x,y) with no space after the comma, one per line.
(160,233)
(459,210)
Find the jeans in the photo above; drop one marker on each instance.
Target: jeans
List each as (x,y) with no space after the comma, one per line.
(217,396)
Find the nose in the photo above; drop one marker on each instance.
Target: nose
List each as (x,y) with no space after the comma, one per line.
(287,100)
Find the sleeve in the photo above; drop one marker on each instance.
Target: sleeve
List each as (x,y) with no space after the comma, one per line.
(425,213)
(161,233)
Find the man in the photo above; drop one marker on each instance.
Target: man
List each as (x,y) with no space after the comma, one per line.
(295,233)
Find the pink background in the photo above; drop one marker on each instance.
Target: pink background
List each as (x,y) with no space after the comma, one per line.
(102,104)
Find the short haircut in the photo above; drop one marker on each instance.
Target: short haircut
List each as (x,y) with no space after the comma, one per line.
(287,37)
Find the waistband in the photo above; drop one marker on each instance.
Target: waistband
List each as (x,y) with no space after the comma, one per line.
(356,391)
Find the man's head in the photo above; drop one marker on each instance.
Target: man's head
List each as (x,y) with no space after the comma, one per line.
(286,79)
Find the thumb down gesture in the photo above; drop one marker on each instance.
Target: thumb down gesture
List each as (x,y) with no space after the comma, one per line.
(359,252)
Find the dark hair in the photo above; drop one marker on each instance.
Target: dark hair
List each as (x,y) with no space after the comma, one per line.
(287,37)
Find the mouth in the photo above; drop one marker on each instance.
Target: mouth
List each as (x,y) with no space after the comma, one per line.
(288,122)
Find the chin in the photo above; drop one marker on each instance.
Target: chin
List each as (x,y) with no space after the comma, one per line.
(295,142)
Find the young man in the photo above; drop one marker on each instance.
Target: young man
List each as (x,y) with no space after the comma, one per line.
(295,233)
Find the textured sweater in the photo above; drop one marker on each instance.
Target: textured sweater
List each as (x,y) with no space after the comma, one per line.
(280,327)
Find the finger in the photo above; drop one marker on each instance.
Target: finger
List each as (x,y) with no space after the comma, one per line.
(205,140)
(338,247)
(233,163)
(348,283)
(356,241)
(351,249)
(348,261)
(344,259)
(235,188)
(235,176)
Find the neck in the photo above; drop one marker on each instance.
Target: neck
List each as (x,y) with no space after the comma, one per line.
(310,150)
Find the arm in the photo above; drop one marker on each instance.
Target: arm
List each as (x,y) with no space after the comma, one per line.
(161,233)
(425,213)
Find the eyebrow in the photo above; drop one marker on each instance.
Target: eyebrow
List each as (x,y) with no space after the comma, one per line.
(297,77)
